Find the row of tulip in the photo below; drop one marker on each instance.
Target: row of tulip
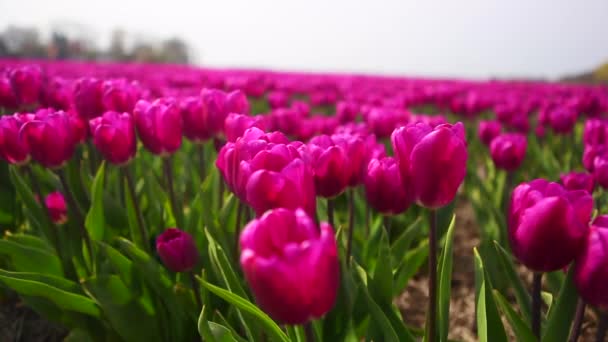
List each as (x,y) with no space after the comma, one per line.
(291,150)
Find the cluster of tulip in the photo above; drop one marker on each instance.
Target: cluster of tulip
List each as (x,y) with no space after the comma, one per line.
(290,149)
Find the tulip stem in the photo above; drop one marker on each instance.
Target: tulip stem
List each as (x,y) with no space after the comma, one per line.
(168,170)
(578,321)
(197,294)
(368,215)
(602,327)
(536,288)
(93,163)
(76,212)
(310,334)
(200,148)
(221,194)
(330,212)
(351,224)
(140,218)
(237,227)
(431,323)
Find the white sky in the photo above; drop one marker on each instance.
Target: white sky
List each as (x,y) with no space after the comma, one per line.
(469,38)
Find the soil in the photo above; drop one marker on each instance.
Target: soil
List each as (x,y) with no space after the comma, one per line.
(18,323)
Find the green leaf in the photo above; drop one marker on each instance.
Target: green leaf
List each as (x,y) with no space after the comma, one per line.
(489,325)
(58,282)
(561,315)
(36,213)
(445,283)
(221,333)
(95,220)
(273,330)
(520,328)
(381,285)
(403,242)
(413,260)
(30,259)
(522,296)
(203,326)
(63,299)
(30,240)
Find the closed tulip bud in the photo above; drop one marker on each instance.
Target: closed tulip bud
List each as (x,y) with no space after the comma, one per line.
(383,187)
(508,150)
(595,132)
(291,265)
(548,224)
(291,187)
(600,170)
(578,181)
(27,83)
(330,166)
(346,111)
(357,152)
(13,148)
(159,125)
(277,99)
(432,161)
(236,124)
(56,207)
(8,99)
(57,94)
(562,119)
(51,138)
(591,266)
(214,110)
(590,153)
(120,95)
(194,121)
(88,98)
(114,136)
(236,102)
(488,130)
(177,250)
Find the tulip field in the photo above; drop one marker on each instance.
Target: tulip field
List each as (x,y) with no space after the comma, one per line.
(172,203)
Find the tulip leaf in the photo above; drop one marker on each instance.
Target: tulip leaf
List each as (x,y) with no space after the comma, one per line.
(35,212)
(489,324)
(381,285)
(520,328)
(31,259)
(203,326)
(562,312)
(95,220)
(402,244)
(221,333)
(274,331)
(410,265)
(522,296)
(28,285)
(30,240)
(445,283)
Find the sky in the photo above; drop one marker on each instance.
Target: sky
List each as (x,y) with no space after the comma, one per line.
(462,38)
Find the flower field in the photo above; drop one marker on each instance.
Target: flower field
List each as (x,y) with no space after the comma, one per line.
(171,203)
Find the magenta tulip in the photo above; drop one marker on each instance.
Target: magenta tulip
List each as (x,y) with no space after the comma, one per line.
(488,130)
(120,95)
(383,187)
(26,82)
(330,165)
(13,148)
(114,136)
(177,250)
(56,207)
(508,150)
(159,125)
(591,266)
(432,161)
(548,224)
(88,98)
(8,99)
(291,265)
(578,181)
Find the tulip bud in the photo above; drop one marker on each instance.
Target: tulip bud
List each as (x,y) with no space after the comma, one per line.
(26,82)
(346,111)
(488,130)
(291,266)
(600,170)
(356,151)
(432,161)
(214,110)
(591,266)
(330,166)
(88,98)
(159,125)
(13,149)
(236,102)
(177,250)
(120,95)
(548,225)
(8,99)
(578,181)
(383,187)
(57,93)
(277,99)
(50,137)
(236,124)
(114,136)
(595,132)
(508,150)
(562,119)
(56,207)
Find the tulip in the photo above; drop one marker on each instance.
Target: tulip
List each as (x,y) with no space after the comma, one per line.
(57,94)
(291,265)
(330,165)
(56,207)
(236,124)
(177,250)
(51,138)
(578,181)
(13,149)
(120,95)
(291,187)
(214,111)
(548,224)
(346,111)
(159,125)
(277,99)
(26,82)
(600,170)
(591,266)
(357,153)
(383,187)
(508,150)
(488,130)
(236,102)
(114,136)
(562,119)
(595,132)
(432,161)
(88,98)
(8,99)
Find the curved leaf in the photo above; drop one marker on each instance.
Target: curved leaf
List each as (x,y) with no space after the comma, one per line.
(95,220)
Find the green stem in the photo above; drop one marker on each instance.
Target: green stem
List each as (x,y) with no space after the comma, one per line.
(201,160)
(330,212)
(177,213)
(431,327)
(351,224)
(536,302)
(197,294)
(237,227)
(145,237)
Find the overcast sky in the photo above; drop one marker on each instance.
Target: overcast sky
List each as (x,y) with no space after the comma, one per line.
(468,38)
